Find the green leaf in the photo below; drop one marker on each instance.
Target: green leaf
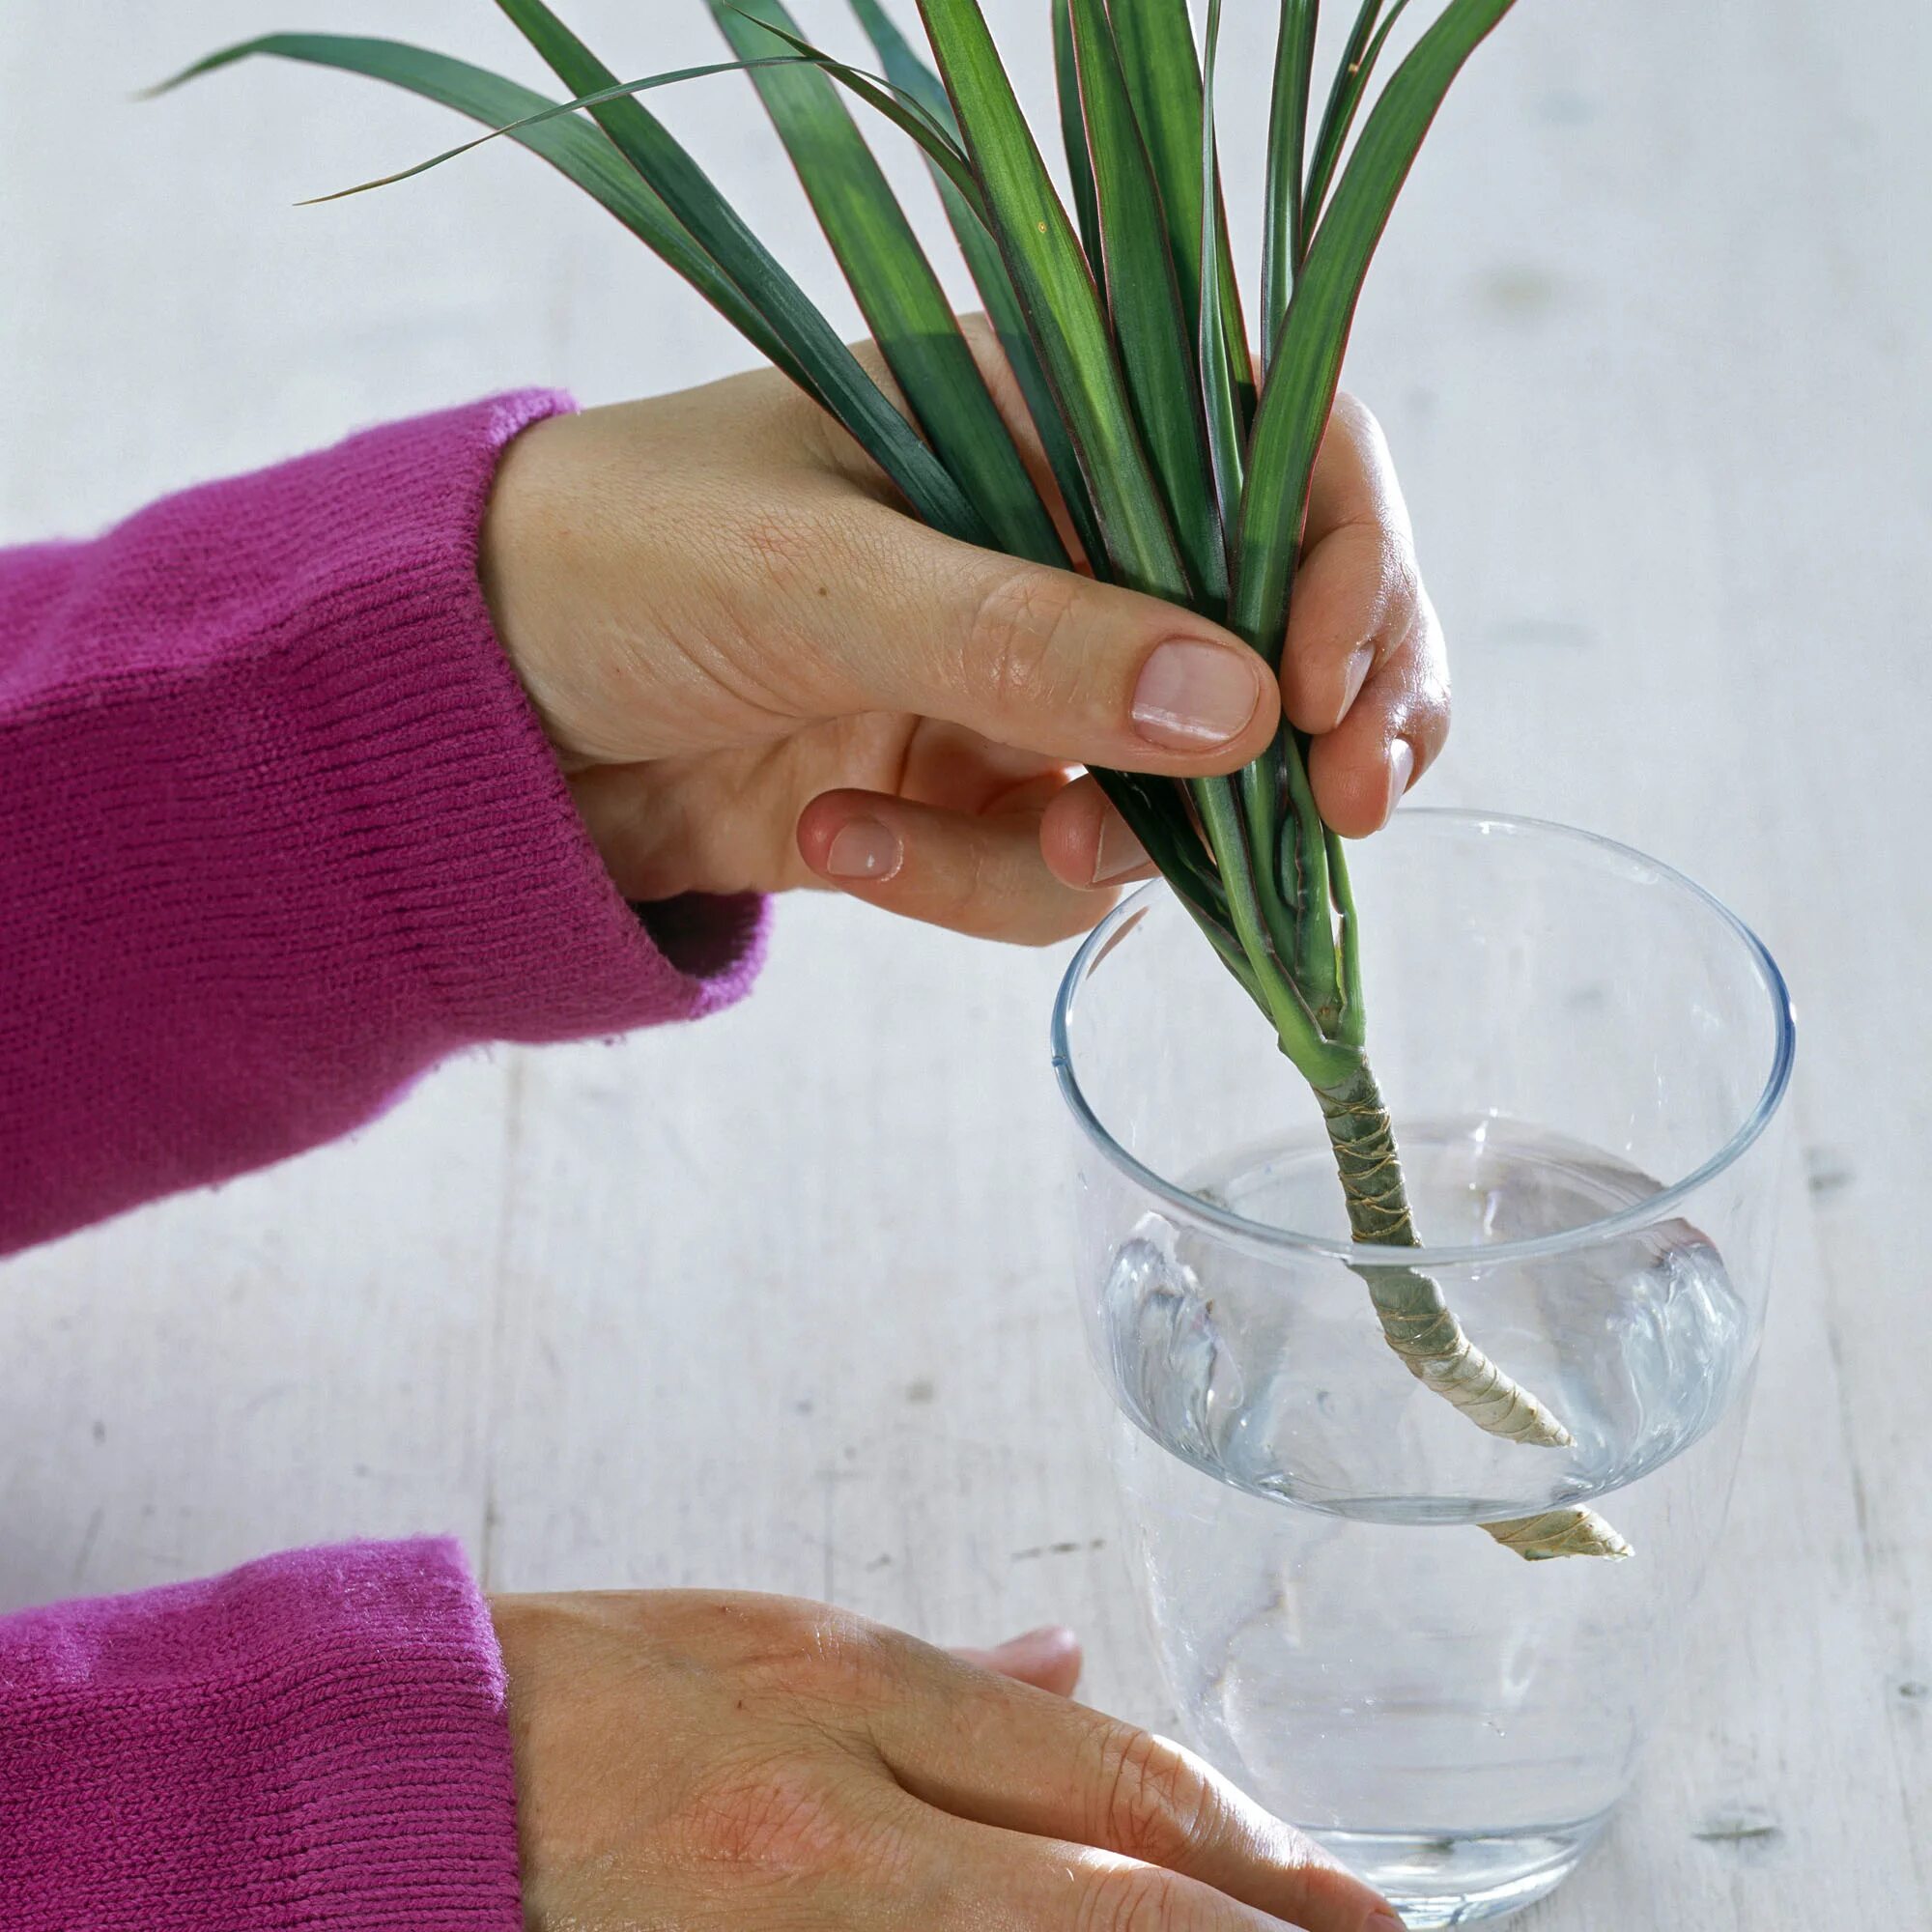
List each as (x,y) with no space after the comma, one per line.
(1345,97)
(1258,782)
(573,147)
(1308,359)
(1354,1010)
(835,375)
(898,294)
(1074,138)
(1151,807)
(1328,141)
(1306,845)
(1217,385)
(905,110)
(1296,1027)
(1154,334)
(1284,233)
(916,80)
(904,67)
(1156,40)
(551,110)
(1060,301)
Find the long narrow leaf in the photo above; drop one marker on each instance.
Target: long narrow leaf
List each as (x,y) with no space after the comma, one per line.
(553,110)
(1351,83)
(898,294)
(1062,305)
(1157,40)
(835,372)
(1284,233)
(1260,781)
(1074,138)
(1154,334)
(1354,50)
(1308,360)
(1217,388)
(573,147)
(1315,962)
(1294,1024)
(918,82)
(904,108)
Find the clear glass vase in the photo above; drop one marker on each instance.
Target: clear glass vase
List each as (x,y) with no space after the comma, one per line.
(1585,1056)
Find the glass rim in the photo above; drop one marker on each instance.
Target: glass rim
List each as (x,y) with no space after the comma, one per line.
(1639,1213)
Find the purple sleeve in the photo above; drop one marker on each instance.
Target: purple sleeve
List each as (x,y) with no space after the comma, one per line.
(279,830)
(314,1742)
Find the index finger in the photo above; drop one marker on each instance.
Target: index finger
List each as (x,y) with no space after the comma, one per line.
(1005,1754)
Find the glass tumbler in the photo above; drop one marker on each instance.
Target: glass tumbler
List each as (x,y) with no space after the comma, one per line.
(1585,1056)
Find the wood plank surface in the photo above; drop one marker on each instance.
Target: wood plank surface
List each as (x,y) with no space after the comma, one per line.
(782,1300)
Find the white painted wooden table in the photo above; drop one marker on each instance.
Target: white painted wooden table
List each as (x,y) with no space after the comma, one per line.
(781,1302)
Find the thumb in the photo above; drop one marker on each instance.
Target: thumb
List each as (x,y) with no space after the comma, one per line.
(1048,1658)
(1042,660)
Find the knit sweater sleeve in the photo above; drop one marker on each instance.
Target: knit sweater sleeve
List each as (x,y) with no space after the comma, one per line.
(279,830)
(313,1744)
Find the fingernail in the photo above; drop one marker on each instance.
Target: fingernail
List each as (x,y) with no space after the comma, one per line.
(1401,768)
(1191,695)
(1120,853)
(1384,1922)
(864,849)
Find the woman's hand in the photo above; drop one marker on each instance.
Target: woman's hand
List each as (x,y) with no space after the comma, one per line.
(760,673)
(720,1763)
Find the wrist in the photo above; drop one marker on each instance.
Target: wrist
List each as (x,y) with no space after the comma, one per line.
(530,562)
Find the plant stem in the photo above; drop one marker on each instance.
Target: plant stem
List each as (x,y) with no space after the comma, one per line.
(1421,1327)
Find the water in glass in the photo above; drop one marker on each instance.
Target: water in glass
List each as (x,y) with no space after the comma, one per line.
(1342,1638)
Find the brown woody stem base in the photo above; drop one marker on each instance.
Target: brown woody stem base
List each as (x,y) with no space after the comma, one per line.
(1421,1329)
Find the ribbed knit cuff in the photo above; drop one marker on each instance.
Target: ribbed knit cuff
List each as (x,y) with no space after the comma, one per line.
(315,1741)
(280,830)
(429,781)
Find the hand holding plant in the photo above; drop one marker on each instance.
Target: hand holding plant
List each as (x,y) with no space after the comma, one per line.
(656,571)
(1183,464)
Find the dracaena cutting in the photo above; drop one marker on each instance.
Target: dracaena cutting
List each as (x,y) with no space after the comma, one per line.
(1183,459)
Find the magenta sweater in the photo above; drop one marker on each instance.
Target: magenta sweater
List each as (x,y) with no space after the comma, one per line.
(279,832)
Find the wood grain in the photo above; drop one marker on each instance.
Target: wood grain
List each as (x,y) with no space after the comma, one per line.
(781,1300)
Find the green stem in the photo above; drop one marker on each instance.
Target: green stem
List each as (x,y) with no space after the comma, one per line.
(1315,950)
(1355,1018)
(1299,1036)
(1260,807)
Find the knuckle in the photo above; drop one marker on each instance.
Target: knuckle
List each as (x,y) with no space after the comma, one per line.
(1382,562)
(1136,1899)
(1015,643)
(1401,576)
(1385,558)
(830,1658)
(791,1654)
(1158,1805)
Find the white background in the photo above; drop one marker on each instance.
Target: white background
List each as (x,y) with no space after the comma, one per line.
(780,1301)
